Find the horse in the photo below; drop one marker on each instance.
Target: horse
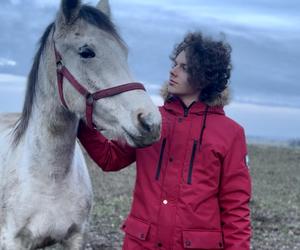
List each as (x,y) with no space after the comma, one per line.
(79,72)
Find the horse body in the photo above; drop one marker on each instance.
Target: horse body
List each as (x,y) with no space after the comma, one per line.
(46,193)
(45,189)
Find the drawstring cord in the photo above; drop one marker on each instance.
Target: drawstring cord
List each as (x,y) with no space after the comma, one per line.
(203,126)
(189,180)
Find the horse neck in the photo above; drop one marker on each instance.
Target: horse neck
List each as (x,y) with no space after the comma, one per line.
(51,134)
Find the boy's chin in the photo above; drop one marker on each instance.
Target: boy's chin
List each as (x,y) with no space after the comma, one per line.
(172,90)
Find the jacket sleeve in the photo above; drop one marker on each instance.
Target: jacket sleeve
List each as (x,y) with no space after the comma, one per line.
(235,194)
(108,154)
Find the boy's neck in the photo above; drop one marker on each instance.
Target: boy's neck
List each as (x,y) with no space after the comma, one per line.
(188,100)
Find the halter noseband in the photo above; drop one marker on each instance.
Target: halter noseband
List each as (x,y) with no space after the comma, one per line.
(90,98)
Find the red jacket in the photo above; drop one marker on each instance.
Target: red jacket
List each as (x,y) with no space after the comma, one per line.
(190,192)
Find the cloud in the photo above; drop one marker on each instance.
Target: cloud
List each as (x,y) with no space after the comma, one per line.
(264,35)
(241,16)
(152,87)
(15,2)
(266,121)
(9,78)
(47,3)
(7,62)
(12,91)
(261,18)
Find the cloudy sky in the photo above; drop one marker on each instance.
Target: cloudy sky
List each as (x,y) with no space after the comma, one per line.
(264,34)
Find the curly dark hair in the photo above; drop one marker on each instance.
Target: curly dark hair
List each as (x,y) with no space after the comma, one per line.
(208,64)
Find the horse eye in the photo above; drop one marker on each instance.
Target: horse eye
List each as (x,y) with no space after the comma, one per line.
(86,52)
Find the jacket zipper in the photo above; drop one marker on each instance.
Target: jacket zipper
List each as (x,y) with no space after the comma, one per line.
(186,109)
(162,149)
(189,181)
(185,112)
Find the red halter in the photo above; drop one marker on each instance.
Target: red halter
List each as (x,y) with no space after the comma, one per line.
(90,98)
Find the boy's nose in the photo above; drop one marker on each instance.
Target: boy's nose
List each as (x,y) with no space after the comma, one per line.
(173,71)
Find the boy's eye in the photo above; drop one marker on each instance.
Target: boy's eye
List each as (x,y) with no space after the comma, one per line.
(184,67)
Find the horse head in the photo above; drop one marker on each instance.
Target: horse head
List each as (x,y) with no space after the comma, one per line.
(88,47)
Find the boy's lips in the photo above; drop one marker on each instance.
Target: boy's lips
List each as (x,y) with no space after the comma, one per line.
(172,82)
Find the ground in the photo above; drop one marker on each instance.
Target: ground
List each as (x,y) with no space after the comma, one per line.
(276,197)
(275,204)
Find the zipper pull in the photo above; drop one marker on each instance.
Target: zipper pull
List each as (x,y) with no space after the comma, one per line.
(186,112)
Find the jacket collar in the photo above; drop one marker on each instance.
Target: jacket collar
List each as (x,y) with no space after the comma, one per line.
(221,100)
(175,106)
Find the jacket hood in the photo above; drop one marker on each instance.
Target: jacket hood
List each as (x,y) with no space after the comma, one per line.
(222,100)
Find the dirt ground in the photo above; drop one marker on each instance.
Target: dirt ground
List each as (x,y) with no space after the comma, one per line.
(275,204)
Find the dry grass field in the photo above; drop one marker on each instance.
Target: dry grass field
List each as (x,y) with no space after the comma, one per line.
(275,204)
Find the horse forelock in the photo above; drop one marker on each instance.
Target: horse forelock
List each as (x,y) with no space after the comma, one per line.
(89,14)
(96,17)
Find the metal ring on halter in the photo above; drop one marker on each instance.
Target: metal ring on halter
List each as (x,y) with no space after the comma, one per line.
(89,99)
(60,64)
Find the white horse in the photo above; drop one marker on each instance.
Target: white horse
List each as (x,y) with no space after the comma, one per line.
(45,189)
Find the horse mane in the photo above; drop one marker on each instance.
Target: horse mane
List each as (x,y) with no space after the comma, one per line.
(22,122)
(92,16)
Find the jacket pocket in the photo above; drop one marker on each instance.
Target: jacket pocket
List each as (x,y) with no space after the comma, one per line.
(202,239)
(136,228)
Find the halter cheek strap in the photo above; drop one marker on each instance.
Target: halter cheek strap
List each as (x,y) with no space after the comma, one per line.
(90,98)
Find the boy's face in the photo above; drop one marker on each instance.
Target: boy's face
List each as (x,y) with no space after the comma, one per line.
(178,83)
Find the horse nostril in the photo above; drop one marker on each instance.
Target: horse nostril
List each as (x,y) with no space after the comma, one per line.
(142,118)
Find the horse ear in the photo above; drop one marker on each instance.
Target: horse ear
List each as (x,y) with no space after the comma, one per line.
(69,10)
(103,6)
